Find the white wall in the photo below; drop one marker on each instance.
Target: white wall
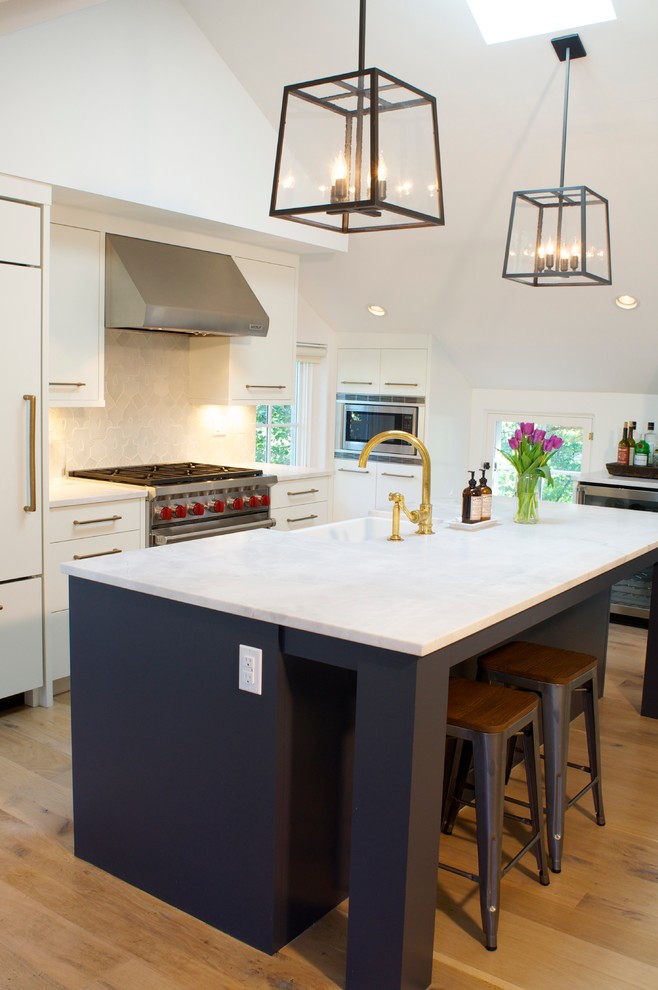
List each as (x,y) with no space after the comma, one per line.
(608,411)
(447,426)
(128,99)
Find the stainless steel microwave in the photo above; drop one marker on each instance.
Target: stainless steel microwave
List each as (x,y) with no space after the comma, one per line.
(357,421)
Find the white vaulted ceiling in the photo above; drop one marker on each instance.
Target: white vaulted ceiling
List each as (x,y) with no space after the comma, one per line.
(500,119)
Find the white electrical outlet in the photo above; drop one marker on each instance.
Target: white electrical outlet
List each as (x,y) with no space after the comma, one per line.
(250,677)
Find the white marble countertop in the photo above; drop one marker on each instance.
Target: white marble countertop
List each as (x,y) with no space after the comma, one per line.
(617,481)
(416,596)
(285,472)
(76,491)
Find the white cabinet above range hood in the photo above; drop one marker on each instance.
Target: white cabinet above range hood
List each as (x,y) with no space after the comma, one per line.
(155,286)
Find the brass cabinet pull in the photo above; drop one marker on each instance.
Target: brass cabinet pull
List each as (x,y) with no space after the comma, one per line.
(309,491)
(73,384)
(32,507)
(346,381)
(403,384)
(88,522)
(353,471)
(103,553)
(389,474)
(265,386)
(301,519)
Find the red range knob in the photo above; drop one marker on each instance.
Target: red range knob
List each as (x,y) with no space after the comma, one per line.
(165,512)
(217,506)
(180,511)
(254,501)
(198,509)
(265,500)
(238,503)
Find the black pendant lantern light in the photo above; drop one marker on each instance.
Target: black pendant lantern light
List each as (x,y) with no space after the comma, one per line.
(358,152)
(559,236)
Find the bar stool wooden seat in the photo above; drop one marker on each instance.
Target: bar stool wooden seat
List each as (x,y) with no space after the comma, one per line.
(487,718)
(555,675)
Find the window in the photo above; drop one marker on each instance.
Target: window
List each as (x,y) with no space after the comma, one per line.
(506,20)
(276,433)
(570,460)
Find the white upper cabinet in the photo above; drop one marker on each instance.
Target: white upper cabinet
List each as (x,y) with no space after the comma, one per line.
(20,233)
(249,370)
(77,325)
(358,370)
(403,371)
(382,371)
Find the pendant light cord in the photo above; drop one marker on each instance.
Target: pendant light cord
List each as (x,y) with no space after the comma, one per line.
(362,36)
(564,118)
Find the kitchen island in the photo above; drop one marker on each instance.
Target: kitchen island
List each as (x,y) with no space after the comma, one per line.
(258,813)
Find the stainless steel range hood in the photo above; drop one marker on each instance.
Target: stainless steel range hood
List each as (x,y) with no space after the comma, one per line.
(155,286)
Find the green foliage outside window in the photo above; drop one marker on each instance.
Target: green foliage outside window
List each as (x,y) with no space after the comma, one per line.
(276,433)
(565,463)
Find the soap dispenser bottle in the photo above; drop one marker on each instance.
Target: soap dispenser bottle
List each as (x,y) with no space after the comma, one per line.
(486,494)
(471,501)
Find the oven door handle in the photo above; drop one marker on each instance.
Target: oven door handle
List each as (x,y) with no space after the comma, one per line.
(161,540)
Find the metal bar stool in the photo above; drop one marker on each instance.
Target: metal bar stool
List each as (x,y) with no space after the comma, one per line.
(489,718)
(555,675)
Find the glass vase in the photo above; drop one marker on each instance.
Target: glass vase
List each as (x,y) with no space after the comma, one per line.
(528,497)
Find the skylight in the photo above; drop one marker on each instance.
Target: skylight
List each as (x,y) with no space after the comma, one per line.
(507,20)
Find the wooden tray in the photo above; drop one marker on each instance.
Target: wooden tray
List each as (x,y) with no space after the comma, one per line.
(626,471)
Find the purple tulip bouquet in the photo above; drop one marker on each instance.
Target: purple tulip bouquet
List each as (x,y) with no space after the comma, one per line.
(531,450)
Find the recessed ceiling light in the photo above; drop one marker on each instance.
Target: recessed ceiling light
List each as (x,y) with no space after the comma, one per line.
(377,310)
(507,20)
(626,302)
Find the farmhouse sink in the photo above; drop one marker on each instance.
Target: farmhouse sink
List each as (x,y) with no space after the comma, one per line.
(361,530)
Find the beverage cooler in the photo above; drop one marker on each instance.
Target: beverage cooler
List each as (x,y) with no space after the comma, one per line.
(632,596)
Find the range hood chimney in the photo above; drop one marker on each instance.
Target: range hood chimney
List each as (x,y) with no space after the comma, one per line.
(155,286)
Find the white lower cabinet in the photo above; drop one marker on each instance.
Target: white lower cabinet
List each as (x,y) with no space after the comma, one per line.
(21,664)
(398,478)
(90,529)
(355,489)
(301,503)
(358,490)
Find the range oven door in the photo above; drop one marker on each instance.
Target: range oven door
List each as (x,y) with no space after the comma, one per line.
(631,597)
(180,534)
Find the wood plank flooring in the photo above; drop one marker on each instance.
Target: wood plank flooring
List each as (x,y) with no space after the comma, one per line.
(65,925)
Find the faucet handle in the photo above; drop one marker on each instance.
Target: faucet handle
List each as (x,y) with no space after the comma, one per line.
(397,499)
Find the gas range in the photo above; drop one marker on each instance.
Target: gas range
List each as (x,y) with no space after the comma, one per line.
(189,500)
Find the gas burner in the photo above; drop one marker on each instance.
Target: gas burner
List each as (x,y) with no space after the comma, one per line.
(167,474)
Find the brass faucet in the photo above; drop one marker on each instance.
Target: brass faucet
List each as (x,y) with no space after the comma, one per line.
(423,514)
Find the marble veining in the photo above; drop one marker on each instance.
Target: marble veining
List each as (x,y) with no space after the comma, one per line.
(415,597)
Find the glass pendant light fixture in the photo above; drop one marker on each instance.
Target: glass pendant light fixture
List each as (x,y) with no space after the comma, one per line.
(559,236)
(358,152)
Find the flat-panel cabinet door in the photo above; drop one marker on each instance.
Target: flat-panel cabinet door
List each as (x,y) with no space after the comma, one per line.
(21,653)
(354,490)
(263,368)
(357,370)
(20,233)
(403,371)
(20,416)
(77,331)
(398,478)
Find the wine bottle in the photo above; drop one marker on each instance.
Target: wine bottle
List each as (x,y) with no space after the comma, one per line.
(631,443)
(651,439)
(623,447)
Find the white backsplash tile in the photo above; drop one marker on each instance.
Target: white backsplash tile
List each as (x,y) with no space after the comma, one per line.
(147,415)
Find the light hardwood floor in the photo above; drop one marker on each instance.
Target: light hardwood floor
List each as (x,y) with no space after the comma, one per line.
(65,924)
